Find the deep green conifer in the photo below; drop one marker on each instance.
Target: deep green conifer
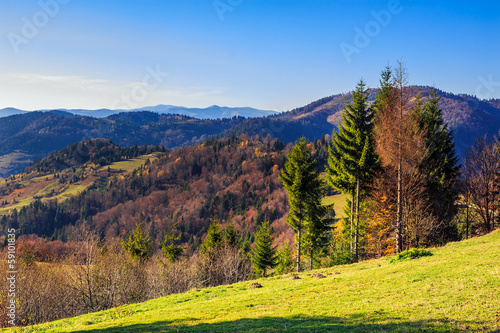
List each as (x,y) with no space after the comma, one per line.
(138,244)
(171,250)
(352,159)
(213,238)
(441,165)
(264,255)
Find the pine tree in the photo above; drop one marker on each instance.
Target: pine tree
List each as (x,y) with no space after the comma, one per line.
(352,159)
(171,251)
(303,185)
(264,255)
(231,237)
(212,239)
(318,226)
(138,244)
(440,165)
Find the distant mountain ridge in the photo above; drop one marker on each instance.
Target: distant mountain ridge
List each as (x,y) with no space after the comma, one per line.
(211,112)
(468,117)
(34,135)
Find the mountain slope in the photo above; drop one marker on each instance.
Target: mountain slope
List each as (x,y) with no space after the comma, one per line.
(466,115)
(211,112)
(455,290)
(37,134)
(10,112)
(233,180)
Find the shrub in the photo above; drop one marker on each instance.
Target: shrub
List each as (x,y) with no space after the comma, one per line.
(411,254)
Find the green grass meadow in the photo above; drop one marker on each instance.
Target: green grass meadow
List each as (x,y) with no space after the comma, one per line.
(338,201)
(457,289)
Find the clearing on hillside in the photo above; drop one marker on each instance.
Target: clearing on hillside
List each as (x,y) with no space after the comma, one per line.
(457,289)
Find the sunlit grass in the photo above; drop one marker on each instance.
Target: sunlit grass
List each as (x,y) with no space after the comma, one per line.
(457,289)
(338,201)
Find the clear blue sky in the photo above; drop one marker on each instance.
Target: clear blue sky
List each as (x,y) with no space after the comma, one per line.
(261,53)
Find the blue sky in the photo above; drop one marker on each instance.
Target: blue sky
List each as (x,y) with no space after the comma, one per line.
(266,54)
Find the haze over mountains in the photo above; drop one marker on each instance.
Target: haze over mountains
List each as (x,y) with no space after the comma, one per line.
(211,112)
(28,136)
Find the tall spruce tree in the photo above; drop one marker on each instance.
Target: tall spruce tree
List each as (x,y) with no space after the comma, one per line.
(318,226)
(303,185)
(352,159)
(264,255)
(441,166)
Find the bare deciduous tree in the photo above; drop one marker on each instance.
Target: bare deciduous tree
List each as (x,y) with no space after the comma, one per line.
(480,179)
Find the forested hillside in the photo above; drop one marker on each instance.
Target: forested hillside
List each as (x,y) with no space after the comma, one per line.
(37,134)
(466,115)
(230,180)
(34,135)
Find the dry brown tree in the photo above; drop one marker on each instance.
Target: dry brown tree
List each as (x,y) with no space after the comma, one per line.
(398,141)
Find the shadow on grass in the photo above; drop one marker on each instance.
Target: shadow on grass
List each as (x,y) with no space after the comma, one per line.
(357,323)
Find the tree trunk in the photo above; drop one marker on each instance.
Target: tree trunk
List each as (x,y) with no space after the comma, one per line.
(298,252)
(399,224)
(352,218)
(467,221)
(356,229)
(311,261)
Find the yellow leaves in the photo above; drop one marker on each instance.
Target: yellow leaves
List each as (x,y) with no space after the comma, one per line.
(339,230)
(178,159)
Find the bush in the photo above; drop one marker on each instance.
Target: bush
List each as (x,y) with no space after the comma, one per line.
(411,254)
(97,277)
(222,265)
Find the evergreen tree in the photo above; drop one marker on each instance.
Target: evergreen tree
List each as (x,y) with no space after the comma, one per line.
(440,165)
(284,259)
(212,239)
(264,255)
(352,159)
(304,187)
(316,236)
(138,244)
(171,251)
(231,237)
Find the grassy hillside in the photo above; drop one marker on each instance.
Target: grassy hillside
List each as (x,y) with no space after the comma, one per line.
(457,289)
(23,191)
